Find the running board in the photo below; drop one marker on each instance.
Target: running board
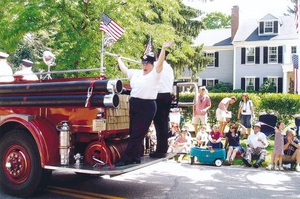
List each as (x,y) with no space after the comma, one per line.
(105,170)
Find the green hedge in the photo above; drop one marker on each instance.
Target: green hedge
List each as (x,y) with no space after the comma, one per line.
(284,106)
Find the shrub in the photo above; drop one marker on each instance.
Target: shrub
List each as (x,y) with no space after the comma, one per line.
(238,91)
(267,87)
(284,106)
(222,87)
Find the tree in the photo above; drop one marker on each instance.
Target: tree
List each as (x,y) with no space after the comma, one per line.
(197,61)
(71,30)
(293,9)
(217,20)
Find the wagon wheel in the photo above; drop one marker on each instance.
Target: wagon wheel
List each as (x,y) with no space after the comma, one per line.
(218,162)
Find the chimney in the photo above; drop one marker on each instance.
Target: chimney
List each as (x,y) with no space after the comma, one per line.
(235,11)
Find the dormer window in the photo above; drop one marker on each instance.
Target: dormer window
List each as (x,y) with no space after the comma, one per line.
(269,25)
(268,28)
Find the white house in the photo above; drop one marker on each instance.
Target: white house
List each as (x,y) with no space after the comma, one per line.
(249,53)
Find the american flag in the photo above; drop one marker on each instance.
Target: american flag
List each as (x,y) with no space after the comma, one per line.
(297,16)
(110,27)
(149,49)
(261,123)
(295,71)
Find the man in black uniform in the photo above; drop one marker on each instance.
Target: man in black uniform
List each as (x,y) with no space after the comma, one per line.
(163,101)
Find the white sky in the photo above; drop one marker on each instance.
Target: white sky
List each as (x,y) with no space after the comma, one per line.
(248,8)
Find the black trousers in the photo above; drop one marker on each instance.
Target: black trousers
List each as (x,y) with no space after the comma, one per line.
(141,115)
(161,121)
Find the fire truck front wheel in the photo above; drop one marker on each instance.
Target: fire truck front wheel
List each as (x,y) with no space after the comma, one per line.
(21,173)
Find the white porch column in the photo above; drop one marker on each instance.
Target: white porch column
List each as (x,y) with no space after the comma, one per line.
(285,83)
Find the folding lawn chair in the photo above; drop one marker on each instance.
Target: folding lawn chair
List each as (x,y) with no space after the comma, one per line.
(268,130)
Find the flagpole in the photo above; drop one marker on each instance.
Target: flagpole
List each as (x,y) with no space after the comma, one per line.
(102,49)
(101,70)
(296,91)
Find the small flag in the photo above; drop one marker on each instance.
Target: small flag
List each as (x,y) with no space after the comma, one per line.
(110,27)
(149,49)
(262,123)
(295,71)
(297,16)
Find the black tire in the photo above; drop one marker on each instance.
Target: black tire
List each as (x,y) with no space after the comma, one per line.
(192,159)
(21,173)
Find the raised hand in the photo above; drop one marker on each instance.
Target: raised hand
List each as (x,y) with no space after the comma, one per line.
(167,44)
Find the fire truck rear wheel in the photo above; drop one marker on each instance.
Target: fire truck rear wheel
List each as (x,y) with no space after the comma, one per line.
(21,173)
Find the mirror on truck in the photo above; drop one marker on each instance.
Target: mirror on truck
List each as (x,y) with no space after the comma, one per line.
(178,88)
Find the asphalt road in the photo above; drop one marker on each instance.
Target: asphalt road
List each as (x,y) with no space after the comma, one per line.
(170,179)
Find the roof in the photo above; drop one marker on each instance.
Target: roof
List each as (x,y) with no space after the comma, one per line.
(269,17)
(215,37)
(248,30)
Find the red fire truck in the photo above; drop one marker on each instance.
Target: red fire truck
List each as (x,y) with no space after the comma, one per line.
(78,125)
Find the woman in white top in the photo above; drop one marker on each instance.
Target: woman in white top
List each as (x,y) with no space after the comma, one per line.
(144,88)
(246,110)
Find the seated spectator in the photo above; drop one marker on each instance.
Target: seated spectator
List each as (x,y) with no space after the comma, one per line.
(173,133)
(152,136)
(233,140)
(175,116)
(150,139)
(256,144)
(215,138)
(291,148)
(188,134)
(202,137)
(181,144)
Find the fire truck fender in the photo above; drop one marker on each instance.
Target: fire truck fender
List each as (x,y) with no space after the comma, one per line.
(43,132)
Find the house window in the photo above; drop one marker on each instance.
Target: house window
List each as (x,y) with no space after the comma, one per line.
(249,84)
(250,55)
(210,64)
(294,49)
(273,55)
(273,81)
(268,27)
(210,83)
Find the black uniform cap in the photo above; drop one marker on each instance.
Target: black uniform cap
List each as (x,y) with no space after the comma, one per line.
(147,59)
(166,53)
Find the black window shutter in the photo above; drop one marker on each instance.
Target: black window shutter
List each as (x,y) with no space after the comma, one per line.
(203,82)
(265,55)
(256,84)
(265,79)
(261,27)
(280,85)
(216,81)
(257,52)
(243,56)
(275,26)
(216,59)
(243,81)
(280,55)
